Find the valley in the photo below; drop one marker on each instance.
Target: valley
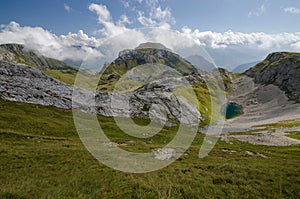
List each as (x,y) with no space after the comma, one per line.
(256,154)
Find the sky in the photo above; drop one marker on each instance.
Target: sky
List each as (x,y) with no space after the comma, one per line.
(71,29)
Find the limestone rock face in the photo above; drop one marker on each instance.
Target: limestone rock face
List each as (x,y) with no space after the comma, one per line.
(281,69)
(22,83)
(25,84)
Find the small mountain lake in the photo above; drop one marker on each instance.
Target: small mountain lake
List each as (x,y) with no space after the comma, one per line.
(232,110)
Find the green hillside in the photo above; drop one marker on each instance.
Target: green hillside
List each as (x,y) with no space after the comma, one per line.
(17,53)
(42,157)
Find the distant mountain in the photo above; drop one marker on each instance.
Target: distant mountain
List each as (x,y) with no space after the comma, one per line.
(21,83)
(143,54)
(145,86)
(281,69)
(231,57)
(152,45)
(18,53)
(243,67)
(200,63)
(144,73)
(76,64)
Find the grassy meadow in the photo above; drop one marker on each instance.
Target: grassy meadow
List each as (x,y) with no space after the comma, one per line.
(41,156)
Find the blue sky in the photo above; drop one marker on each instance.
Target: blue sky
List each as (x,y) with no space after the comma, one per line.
(233,31)
(214,15)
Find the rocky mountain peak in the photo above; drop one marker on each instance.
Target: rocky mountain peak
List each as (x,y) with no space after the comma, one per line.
(12,46)
(281,69)
(129,59)
(152,45)
(276,56)
(148,47)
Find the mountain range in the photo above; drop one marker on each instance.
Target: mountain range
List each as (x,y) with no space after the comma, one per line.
(29,77)
(243,67)
(143,100)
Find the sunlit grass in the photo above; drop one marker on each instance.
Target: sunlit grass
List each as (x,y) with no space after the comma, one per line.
(67,77)
(41,156)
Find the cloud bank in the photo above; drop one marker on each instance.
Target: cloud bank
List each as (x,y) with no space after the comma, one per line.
(74,46)
(77,46)
(292,10)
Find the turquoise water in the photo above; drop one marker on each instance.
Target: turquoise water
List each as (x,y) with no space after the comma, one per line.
(232,110)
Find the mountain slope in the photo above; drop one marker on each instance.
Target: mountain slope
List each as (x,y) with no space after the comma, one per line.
(129,59)
(200,62)
(243,67)
(281,69)
(143,68)
(18,53)
(21,83)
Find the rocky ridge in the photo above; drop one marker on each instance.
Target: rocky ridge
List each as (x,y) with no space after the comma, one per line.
(261,99)
(144,54)
(18,53)
(281,69)
(21,83)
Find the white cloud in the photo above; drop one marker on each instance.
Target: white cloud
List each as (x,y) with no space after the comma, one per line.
(67,8)
(296,46)
(258,40)
(124,20)
(151,3)
(145,21)
(163,15)
(174,40)
(259,11)
(104,18)
(156,16)
(292,10)
(75,46)
(101,11)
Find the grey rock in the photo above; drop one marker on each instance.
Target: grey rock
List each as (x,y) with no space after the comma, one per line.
(280,69)
(165,154)
(22,83)
(25,84)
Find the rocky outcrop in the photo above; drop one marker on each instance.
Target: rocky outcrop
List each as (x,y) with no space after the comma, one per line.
(22,83)
(281,69)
